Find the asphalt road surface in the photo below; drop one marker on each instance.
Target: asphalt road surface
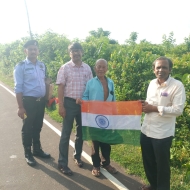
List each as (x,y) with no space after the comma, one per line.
(15,174)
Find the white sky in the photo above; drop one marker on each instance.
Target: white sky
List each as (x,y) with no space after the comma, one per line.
(75,18)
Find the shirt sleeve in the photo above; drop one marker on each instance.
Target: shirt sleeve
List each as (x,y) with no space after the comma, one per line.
(61,75)
(86,92)
(18,79)
(177,106)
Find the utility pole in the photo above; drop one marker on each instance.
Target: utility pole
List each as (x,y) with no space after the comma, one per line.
(31,36)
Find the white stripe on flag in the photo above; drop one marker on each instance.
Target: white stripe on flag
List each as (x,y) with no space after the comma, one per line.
(111,121)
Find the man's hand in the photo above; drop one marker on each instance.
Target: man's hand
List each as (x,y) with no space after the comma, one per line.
(21,112)
(78,101)
(147,108)
(62,111)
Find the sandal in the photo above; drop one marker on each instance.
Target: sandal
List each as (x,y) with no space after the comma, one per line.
(65,170)
(110,169)
(78,162)
(96,171)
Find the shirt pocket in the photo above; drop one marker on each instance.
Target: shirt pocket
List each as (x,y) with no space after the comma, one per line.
(165,100)
(29,74)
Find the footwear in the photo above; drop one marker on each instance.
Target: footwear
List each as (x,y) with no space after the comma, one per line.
(110,169)
(96,171)
(146,187)
(37,151)
(78,162)
(65,170)
(29,157)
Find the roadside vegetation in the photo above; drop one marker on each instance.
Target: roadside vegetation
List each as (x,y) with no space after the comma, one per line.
(130,67)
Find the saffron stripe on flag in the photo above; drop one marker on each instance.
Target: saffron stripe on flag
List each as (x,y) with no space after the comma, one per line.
(112,108)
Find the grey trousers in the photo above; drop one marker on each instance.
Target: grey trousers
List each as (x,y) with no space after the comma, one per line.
(73,111)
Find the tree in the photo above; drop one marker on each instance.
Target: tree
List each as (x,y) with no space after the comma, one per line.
(133,38)
(187,43)
(168,42)
(99,33)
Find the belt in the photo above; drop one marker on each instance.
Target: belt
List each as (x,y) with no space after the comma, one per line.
(71,99)
(37,99)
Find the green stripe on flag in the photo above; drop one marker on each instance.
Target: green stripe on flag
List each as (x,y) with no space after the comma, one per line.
(131,137)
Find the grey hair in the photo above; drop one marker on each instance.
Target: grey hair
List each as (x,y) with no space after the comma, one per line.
(102,60)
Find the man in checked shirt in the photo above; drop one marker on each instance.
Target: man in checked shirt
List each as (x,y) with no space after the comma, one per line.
(71,80)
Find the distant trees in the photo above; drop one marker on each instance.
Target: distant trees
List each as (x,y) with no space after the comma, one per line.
(129,67)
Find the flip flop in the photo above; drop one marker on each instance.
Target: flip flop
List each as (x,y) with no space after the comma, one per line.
(96,171)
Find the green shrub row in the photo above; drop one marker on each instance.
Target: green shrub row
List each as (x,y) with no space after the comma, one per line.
(130,67)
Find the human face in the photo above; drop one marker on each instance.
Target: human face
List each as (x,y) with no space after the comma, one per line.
(32,52)
(76,55)
(100,68)
(162,70)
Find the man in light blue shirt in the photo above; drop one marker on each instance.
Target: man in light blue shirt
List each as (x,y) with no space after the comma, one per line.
(30,89)
(100,88)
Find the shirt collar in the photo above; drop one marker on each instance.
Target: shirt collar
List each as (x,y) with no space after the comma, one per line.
(98,78)
(28,61)
(164,83)
(74,65)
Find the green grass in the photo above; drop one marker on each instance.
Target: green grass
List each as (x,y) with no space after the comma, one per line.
(127,156)
(54,114)
(7,79)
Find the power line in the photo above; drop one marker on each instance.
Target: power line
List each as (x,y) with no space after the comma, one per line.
(31,36)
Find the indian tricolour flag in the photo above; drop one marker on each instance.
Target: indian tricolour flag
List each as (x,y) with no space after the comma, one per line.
(112,122)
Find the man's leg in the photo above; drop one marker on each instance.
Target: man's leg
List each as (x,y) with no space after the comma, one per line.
(149,160)
(37,127)
(162,153)
(66,132)
(38,123)
(27,130)
(95,154)
(105,150)
(105,158)
(78,136)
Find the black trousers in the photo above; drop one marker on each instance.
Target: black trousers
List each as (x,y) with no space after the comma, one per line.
(105,154)
(73,111)
(156,161)
(32,125)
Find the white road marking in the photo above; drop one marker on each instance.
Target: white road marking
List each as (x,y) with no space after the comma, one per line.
(110,177)
(13,156)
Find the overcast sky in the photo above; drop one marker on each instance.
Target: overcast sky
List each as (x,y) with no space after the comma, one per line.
(75,18)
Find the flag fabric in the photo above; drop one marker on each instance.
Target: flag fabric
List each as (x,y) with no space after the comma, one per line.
(112,122)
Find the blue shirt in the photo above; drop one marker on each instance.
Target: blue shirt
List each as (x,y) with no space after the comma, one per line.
(94,90)
(29,78)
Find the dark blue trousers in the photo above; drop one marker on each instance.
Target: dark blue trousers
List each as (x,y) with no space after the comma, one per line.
(32,125)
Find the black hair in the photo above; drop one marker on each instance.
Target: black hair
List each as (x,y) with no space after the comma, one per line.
(75,45)
(163,58)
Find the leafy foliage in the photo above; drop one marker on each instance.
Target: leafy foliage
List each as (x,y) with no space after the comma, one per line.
(130,67)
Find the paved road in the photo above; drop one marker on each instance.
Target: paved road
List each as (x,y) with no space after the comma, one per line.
(15,174)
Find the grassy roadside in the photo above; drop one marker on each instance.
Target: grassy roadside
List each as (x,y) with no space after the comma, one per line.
(129,157)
